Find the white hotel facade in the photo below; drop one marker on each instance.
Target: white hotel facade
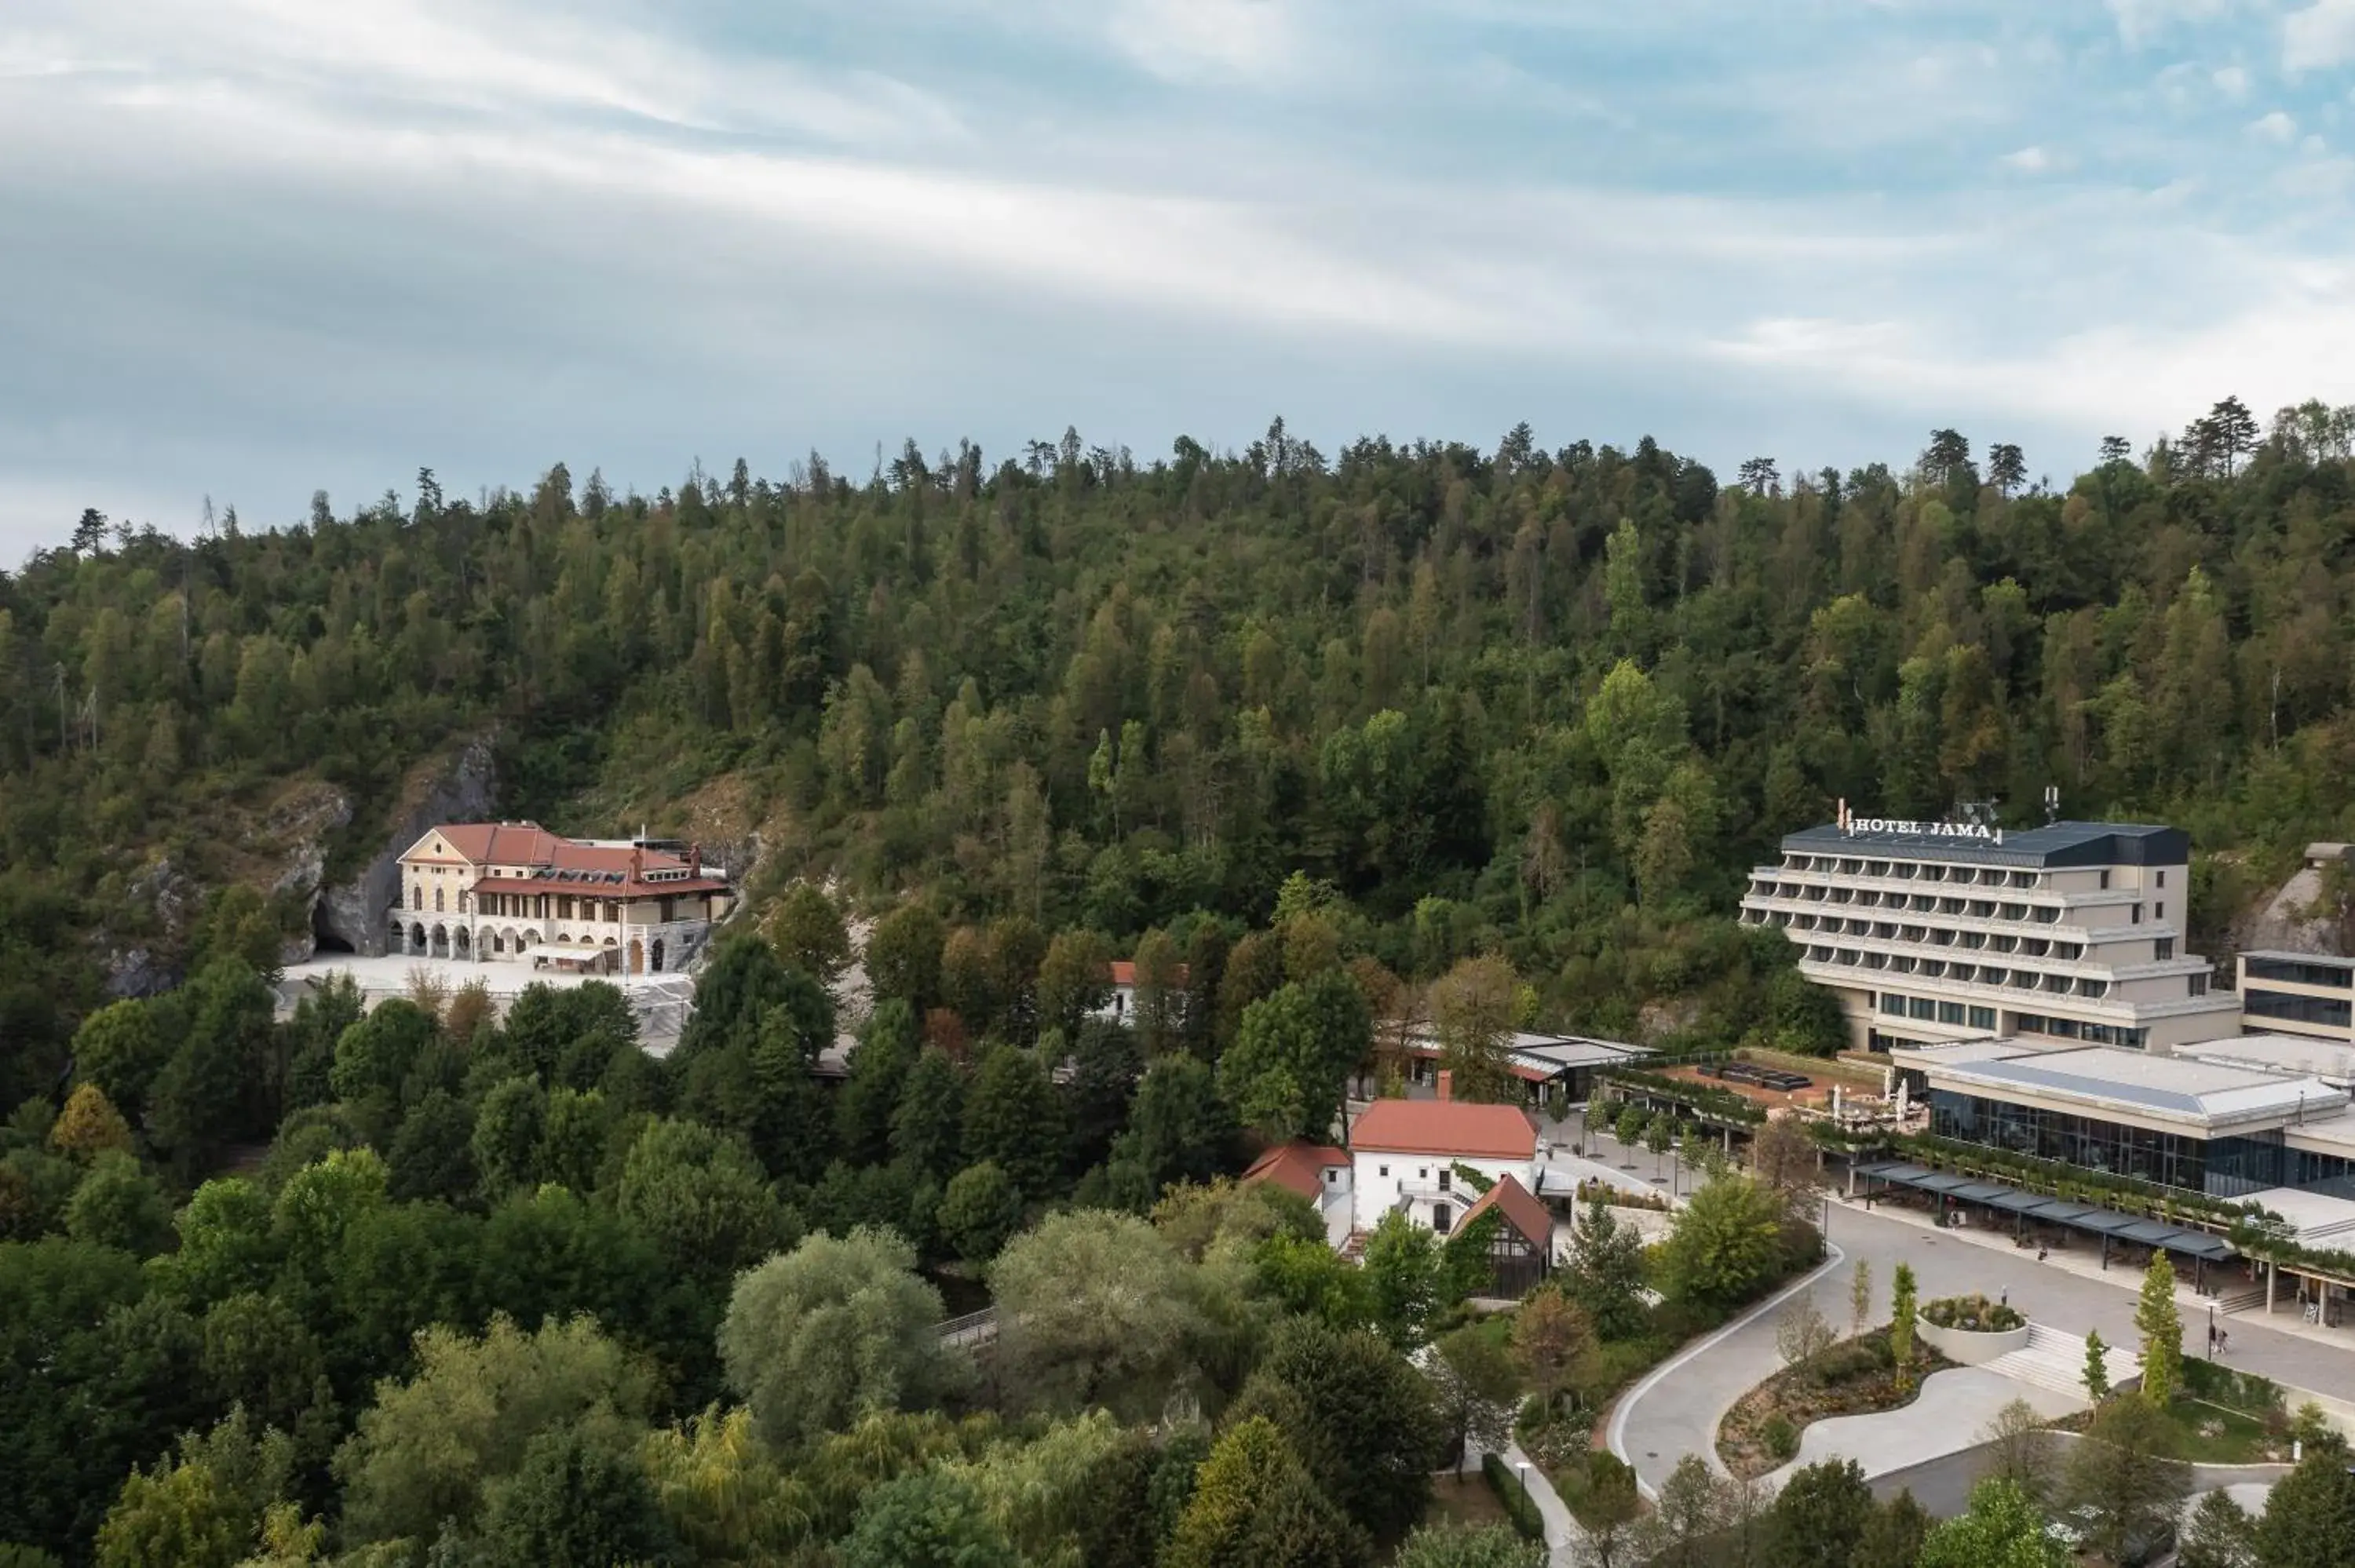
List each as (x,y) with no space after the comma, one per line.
(1940,931)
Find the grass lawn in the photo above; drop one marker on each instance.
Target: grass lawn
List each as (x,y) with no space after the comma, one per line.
(2211,1434)
(2215,1436)
(1467,1501)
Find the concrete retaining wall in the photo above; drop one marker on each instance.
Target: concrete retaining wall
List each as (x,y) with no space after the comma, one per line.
(1970,1347)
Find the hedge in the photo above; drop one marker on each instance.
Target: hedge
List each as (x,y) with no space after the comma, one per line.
(1520,1508)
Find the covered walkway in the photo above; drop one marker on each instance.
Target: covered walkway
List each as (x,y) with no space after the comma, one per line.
(2035,1218)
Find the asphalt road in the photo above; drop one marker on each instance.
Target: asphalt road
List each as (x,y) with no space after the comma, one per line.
(1678,1414)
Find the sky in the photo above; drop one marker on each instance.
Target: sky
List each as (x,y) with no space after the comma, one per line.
(253,249)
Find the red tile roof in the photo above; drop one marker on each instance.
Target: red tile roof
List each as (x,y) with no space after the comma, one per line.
(544,854)
(1297,1166)
(1459,1128)
(1124,972)
(1520,1209)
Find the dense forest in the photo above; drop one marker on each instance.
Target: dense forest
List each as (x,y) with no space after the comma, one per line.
(1545,703)
(1325,744)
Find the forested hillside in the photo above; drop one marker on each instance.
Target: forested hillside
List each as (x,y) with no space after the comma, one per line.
(1549,703)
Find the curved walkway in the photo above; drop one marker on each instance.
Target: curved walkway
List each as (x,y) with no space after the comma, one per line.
(1675,1409)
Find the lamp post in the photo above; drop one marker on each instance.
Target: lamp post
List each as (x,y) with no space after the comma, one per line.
(1523,1466)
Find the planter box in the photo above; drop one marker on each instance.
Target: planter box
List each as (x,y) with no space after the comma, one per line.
(1968,1347)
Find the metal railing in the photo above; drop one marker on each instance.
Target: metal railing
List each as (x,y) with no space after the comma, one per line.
(973,1328)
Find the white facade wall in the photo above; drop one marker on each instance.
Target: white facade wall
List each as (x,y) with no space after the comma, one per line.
(1378,1179)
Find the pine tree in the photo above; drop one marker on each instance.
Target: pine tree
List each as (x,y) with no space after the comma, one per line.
(2097,1367)
(1900,1324)
(2162,1332)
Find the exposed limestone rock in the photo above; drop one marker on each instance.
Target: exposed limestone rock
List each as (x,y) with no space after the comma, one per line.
(2290,921)
(461,789)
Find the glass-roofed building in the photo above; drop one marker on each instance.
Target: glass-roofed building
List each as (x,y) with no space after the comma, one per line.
(2229,1132)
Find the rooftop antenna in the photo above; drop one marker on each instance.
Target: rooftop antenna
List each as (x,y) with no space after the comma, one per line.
(2053,802)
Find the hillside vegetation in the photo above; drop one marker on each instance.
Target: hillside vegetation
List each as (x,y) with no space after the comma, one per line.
(1548,704)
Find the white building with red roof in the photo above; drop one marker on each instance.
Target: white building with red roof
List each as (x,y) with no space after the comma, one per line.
(1405,1155)
(514,892)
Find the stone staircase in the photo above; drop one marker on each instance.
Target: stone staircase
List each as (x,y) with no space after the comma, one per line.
(2056,1361)
(2241,1300)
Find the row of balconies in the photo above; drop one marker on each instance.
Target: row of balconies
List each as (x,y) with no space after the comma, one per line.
(1917,903)
(1987,976)
(1913,871)
(1931,936)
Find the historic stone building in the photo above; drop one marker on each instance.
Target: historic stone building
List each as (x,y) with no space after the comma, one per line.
(514,892)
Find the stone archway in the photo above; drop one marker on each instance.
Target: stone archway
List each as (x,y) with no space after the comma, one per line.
(441,948)
(638,957)
(498,945)
(417,937)
(530,940)
(657,955)
(462,943)
(396,940)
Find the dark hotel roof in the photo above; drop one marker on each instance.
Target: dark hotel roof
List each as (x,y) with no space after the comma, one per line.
(2056,844)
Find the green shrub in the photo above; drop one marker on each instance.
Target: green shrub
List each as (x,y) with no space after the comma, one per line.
(1781,1438)
(1973,1314)
(1518,1507)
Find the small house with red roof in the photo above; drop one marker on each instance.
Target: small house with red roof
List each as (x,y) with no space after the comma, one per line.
(1318,1174)
(1520,1253)
(514,892)
(1120,1005)
(1411,1155)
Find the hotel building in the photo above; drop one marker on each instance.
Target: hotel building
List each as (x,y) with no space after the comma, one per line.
(2306,994)
(1943,931)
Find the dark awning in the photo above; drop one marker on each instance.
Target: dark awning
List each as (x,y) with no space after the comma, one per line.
(2053,1211)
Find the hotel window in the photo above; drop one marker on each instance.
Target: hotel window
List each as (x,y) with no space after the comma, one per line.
(2329,1012)
(2162,879)
(1982,1017)
(1950,1012)
(436,901)
(2199,984)
(2135,917)
(1892,1004)
(2105,882)
(1920,1007)
(2163,949)
(2159,910)
(2336,976)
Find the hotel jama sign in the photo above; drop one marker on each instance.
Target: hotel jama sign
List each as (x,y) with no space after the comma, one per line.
(1852,824)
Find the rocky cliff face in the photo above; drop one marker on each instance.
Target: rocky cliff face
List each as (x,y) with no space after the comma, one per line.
(2291,921)
(460,788)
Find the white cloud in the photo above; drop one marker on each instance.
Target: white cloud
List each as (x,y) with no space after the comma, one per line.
(2277,127)
(2028,160)
(1184,40)
(2143,21)
(489,56)
(2232,83)
(2319,37)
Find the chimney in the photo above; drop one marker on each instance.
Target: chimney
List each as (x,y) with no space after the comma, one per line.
(1447,1085)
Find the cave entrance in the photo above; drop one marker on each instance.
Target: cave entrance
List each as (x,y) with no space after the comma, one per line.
(323,934)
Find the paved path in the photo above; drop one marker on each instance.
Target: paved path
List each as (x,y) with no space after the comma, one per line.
(1676,1411)
(1954,1408)
(1562,1535)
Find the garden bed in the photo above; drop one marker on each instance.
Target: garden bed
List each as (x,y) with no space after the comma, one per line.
(1855,1377)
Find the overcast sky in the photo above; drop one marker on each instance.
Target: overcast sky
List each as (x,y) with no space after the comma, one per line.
(251,248)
